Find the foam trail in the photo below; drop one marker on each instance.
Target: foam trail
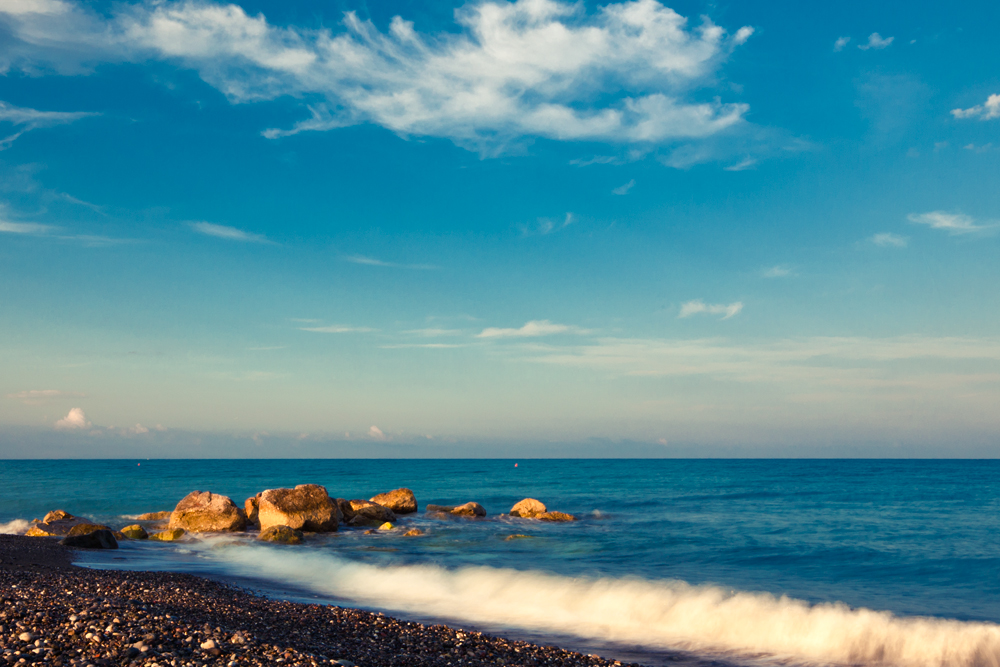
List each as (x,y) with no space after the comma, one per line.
(667,614)
(15,527)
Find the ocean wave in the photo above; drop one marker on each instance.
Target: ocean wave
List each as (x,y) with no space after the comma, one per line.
(655,614)
(15,527)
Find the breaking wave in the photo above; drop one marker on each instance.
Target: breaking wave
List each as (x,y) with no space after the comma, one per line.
(661,614)
(15,527)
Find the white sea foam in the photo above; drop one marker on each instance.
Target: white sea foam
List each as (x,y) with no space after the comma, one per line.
(650,613)
(15,527)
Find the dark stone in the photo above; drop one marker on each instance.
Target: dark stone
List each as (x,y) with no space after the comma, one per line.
(99,539)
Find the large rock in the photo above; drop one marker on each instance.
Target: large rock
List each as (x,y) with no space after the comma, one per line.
(207,512)
(251,507)
(346,511)
(281,535)
(555,516)
(369,511)
(98,539)
(59,522)
(85,529)
(135,532)
(306,507)
(168,535)
(400,501)
(528,508)
(154,516)
(468,509)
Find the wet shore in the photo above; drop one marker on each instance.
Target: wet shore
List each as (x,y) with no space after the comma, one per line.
(52,612)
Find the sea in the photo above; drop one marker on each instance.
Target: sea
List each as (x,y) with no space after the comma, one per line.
(672,562)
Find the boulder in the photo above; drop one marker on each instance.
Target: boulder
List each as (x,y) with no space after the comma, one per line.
(413,532)
(468,509)
(306,507)
(251,507)
(85,529)
(281,535)
(98,539)
(346,511)
(386,526)
(207,512)
(154,516)
(370,511)
(400,501)
(555,516)
(528,508)
(59,522)
(135,532)
(168,535)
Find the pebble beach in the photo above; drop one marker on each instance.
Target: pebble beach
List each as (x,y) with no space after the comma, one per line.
(55,613)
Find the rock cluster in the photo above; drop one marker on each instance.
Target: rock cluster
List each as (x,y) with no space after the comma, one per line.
(529,508)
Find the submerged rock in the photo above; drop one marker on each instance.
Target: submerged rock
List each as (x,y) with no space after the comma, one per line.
(135,532)
(468,509)
(281,535)
(207,512)
(413,532)
(168,535)
(517,536)
(154,516)
(306,507)
(369,511)
(555,516)
(97,539)
(400,501)
(528,508)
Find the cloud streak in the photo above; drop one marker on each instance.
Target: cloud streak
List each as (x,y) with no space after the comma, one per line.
(532,329)
(371,261)
(953,223)
(698,307)
(227,233)
(337,328)
(30,119)
(889,240)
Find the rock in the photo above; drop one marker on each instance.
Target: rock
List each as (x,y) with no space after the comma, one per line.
(528,508)
(85,529)
(517,536)
(370,511)
(343,663)
(207,512)
(386,526)
(59,522)
(370,532)
(26,637)
(555,516)
(400,501)
(154,516)
(281,535)
(468,509)
(346,511)
(413,532)
(306,507)
(168,535)
(251,506)
(208,644)
(135,532)
(98,539)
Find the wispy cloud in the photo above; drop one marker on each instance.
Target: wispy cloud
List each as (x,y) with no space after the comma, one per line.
(986,111)
(371,261)
(376,433)
(529,330)
(434,332)
(953,223)
(779,271)
(841,43)
(742,165)
(623,189)
(698,307)
(30,228)
(889,240)
(29,119)
(40,396)
(545,226)
(228,233)
(876,41)
(338,328)
(75,419)
(622,73)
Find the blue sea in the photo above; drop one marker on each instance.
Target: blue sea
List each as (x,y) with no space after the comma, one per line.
(744,562)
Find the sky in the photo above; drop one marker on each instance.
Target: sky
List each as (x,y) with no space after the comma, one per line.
(531,228)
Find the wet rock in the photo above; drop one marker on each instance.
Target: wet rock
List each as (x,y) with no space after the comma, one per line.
(517,536)
(528,508)
(555,516)
(413,532)
(85,529)
(168,535)
(134,532)
(207,512)
(154,516)
(346,511)
(468,509)
(400,501)
(59,522)
(250,507)
(386,526)
(370,511)
(306,507)
(98,539)
(281,535)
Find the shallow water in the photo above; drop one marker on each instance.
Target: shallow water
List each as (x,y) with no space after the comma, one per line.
(787,561)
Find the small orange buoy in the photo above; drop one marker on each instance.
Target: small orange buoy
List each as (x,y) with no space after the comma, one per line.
(515,465)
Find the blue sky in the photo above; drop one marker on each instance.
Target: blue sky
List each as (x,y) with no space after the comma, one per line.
(321,228)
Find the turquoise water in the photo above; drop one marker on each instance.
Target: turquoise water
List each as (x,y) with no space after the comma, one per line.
(736,558)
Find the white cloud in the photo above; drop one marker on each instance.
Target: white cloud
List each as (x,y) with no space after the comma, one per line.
(698,306)
(30,228)
(433,332)
(986,111)
(623,73)
(531,329)
(337,328)
(228,233)
(887,239)
(841,43)
(376,433)
(876,41)
(742,165)
(779,271)
(75,419)
(623,189)
(544,226)
(30,119)
(371,261)
(40,396)
(138,429)
(953,223)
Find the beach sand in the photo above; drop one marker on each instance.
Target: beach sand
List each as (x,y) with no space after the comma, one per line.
(52,612)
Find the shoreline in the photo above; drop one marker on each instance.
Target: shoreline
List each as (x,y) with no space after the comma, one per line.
(49,606)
